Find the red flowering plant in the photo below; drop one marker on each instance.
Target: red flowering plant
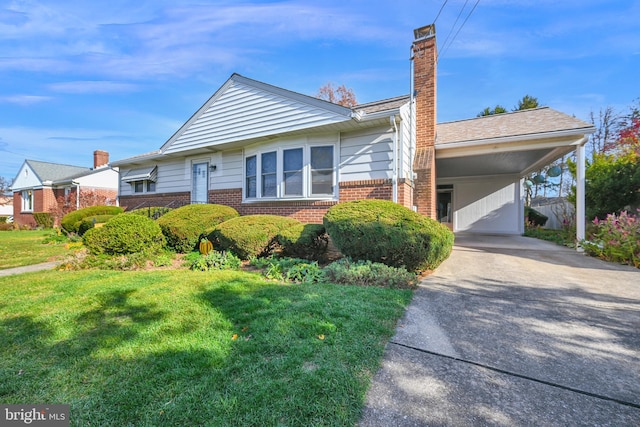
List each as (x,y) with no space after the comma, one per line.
(616,239)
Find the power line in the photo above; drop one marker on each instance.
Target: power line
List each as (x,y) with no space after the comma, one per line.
(440,11)
(445,46)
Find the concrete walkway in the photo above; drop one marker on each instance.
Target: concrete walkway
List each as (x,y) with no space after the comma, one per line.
(28,268)
(512,331)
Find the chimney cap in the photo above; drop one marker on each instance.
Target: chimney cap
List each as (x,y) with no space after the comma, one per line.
(425,32)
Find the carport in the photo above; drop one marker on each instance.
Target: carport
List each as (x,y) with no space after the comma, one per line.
(481,162)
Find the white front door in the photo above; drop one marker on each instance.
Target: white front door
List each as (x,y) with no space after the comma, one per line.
(200,183)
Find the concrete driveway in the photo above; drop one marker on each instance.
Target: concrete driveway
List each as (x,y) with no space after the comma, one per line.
(512,331)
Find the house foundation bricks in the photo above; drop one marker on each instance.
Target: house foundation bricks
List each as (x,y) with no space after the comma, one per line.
(425,56)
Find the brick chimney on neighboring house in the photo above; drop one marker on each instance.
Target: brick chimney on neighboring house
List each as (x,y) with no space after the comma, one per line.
(100,158)
(424,54)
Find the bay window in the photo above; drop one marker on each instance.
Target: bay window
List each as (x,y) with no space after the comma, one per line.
(290,173)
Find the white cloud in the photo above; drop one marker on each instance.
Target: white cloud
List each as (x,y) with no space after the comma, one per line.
(81,87)
(24,100)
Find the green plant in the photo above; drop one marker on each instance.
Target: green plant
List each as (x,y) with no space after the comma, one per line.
(308,241)
(3,219)
(71,221)
(386,232)
(125,234)
(183,227)
(305,272)
(91,221)
(43,219)
(616,239)
(153,212)
(215,260)
(253,235)
(162,260)
(366,273)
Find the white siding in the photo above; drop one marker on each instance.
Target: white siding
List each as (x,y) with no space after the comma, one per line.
(488,205)
(245,109)
(25,178)
(366,155)
(107,178)
(228,173)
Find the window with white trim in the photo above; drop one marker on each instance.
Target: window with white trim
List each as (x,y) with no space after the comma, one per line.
(27,201)
(290,173)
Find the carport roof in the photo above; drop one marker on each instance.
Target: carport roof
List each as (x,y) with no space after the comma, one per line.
(534,123)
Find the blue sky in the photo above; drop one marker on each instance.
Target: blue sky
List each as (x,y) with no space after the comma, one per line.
(123,76)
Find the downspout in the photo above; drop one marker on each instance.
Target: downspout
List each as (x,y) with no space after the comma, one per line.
(77,184)
(580,193)
(394,158)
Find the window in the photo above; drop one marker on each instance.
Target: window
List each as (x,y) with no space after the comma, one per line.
(251,176)
(292,172)
(298,172)
(269,178)
(138,186)
(151,186)
(322,170)
(27,200)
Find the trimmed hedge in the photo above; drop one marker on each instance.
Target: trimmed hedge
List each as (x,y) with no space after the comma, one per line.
(386,232)
(125,234)
(153,212)
(183,227)
(43,219)
(308,241)
(91,221)
(71,221)
(257,235)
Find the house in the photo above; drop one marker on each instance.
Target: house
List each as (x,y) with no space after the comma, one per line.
(6,205)
(52,187)
(265,149)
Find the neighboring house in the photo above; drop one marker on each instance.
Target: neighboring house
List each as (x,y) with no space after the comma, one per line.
(6,205)
(39,186)
(265,149)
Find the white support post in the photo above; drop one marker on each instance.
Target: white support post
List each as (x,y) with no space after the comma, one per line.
(580,198)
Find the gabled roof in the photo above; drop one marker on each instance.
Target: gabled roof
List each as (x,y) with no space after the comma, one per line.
(54,171)
(382,105)
(537,122)
(244,109)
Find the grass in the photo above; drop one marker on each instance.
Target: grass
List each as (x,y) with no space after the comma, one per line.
(564,237)
(167,348)
(26,247)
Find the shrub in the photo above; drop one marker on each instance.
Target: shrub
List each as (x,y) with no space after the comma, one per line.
(43,219)
(153,212)
(616,239)
(71,221)
(125,234)
(253,235)
(383,231)
(183,227)
(534,217)
(307,241)
(216,260)
(367,273)
(295,270)
(91,221)
(3,219)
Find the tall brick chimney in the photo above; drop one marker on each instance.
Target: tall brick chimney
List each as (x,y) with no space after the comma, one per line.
(100,158)
(424,54)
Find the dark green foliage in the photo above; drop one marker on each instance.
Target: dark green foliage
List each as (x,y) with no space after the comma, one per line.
(125,234)
(255,235)
(3,219)
(367,273)
(43,219)
(307,241)
(534,217)
(71,221)
(383,231)
(294,270)
(153,212)
(91,221)
(183,227)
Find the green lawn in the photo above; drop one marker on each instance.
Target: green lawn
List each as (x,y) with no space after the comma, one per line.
(185,348)
(19,248)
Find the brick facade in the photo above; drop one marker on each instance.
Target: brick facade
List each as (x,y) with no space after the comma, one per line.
(424,51)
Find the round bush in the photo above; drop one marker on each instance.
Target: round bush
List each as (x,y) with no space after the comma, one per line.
(386,232)
(183,227)
(153,212)
(71,221)
(307,241)
(125,234)
(252,235)
(91,221)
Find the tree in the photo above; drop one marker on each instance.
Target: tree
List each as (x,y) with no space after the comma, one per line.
(488,111)
(4,184)
(527,102)
(341,95)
